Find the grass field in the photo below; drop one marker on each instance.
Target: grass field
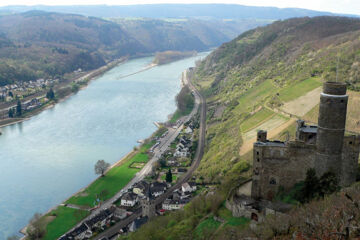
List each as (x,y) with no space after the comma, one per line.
(114,180)
(256,119)
(65,219)
(174,177)
(255,95)
(301,88)
(226,214)
(273,122)
(206,226)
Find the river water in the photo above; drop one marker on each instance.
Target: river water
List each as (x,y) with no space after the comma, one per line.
(51,156)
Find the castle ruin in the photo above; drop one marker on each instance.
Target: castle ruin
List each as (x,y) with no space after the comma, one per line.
(325,147)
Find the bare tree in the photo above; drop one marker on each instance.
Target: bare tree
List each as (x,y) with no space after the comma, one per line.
(101,166)
(36,228)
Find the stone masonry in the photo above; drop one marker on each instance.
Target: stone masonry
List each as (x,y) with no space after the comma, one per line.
(324,147)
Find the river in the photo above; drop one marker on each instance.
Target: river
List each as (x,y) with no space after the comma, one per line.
(51,156)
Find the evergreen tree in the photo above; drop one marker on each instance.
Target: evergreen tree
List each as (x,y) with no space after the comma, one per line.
(169,176)
(328,183)
(50,94)
(311,186)
(11,113)
(18,109)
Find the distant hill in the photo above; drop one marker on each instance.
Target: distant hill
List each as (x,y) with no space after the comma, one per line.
(38,44)
(220,11)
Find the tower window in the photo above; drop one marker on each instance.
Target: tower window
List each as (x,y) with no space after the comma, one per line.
(273,181)
(258,159)
(342,100)
(257,153)
(350,142)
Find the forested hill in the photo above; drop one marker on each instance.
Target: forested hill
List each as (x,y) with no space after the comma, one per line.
(39,44)
(252,83)
(220,11)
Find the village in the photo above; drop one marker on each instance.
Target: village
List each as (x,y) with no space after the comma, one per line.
(139,202)
(32,94)
(9,92)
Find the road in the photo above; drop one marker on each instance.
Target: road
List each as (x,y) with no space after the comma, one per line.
(199,100)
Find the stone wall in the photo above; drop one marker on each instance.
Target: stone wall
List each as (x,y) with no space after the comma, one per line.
(350,157)
(276,166)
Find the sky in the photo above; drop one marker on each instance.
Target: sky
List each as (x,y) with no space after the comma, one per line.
(336,6)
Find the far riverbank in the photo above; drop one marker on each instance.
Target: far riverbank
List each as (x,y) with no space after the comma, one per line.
(65,90)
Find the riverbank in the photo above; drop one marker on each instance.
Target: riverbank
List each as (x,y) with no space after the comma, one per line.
(65,90)
(85,131)
(166,57)
(120,173)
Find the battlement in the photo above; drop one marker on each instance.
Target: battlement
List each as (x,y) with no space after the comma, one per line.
(334,88)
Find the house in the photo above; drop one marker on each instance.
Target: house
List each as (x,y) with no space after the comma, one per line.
(156,191)
(181,170)
(100,220)
(137,223)
(188,187)
(140,188)
(172,204)
(120,214)
(181,153)
(157,188)
(188,130)
(129,199)
(79,233)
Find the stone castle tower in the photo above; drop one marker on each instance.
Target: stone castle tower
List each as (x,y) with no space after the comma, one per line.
(324,147)
(147,205)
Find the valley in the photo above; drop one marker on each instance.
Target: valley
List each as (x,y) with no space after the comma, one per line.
(190,116)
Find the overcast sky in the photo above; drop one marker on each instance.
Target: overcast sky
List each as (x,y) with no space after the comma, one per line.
(337,6)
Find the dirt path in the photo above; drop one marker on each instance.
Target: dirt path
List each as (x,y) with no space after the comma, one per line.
(248,144)
(273,122)
(301,105)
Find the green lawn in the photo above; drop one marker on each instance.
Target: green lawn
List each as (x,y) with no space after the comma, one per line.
(66,218)
(256,119)
(254,95)
(178,114)
(226,214)
(115,179)
(299,89)
(206,226)
(174,177)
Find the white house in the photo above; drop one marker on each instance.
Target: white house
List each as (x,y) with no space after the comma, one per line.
(171,204)
(129,199)
(188,130)
(188,187)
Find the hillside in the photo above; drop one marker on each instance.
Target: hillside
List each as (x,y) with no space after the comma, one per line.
(265,68)
(220,11)
(250,84)
(40,44)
